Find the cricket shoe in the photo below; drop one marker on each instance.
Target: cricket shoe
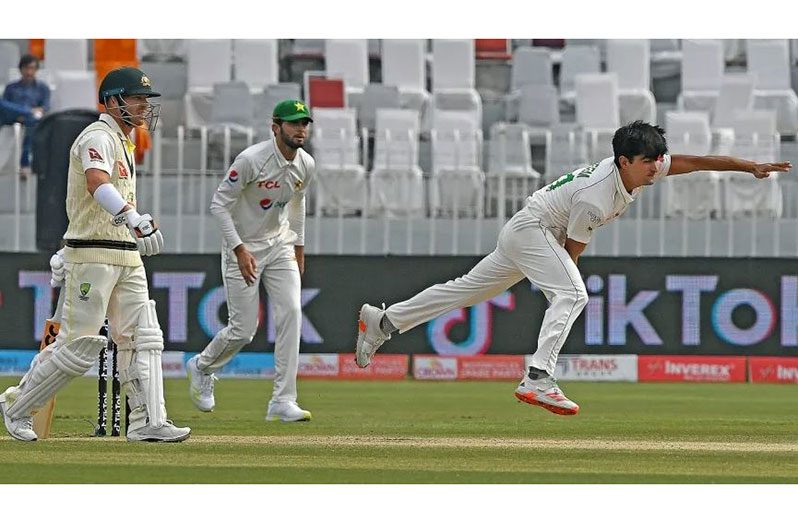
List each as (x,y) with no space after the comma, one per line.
(166,433)
(545,393)
(369,334)
(286,411)
(200,386)
(20,428)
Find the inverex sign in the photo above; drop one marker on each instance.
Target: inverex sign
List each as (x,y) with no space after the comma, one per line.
(691,368)
(773,370)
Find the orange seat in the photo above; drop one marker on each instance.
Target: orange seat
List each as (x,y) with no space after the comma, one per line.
(36,47)
(115,50)
(492,49)
(326,92)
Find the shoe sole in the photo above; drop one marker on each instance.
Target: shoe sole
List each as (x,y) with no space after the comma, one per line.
(562,411)
(277,418)
(361,331)
(157,440)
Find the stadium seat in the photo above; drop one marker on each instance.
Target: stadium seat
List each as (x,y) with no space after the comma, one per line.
(538,110)
(404,66)
(232,106)
(457,181)
(161,50)
(74,90)
(598,110)
(577,59)
(756,139)
(255,62)
(9,60)
(341,181)
(325,92)
(377,96)
(510,165)
(702,74)
(696,196)
(769,62)
(209,63)
(492,49)
(736,94)
(396,186)
(66,55)
(530,66)
(348,59)
(631,61)
(453,65)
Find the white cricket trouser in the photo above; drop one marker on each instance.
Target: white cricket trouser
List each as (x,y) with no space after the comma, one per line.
(278,271)
(525,249)
(94,291)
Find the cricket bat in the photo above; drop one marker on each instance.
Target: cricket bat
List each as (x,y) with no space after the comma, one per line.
(43,418)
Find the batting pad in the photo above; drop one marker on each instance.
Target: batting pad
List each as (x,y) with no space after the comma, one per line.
(144,376)
(48,375)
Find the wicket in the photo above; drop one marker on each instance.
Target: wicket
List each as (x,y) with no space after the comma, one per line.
(102,389)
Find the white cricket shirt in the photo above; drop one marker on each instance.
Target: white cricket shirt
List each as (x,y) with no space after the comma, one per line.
(577,203)
(261,200)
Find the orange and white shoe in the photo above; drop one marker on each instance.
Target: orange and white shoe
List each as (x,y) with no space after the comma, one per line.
(369,334)
(545,393)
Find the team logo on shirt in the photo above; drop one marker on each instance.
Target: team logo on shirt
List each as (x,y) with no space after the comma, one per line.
(233,176)
(85,287)
(94,156)
(122,169)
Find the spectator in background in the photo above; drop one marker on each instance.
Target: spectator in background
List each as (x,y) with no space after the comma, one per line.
(25,101)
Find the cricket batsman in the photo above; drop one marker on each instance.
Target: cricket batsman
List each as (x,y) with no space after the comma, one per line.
(103,271)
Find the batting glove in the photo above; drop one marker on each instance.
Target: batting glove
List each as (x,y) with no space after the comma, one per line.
(57,269)
(143,229)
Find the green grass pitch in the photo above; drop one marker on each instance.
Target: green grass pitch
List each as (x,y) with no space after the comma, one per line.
(432,432)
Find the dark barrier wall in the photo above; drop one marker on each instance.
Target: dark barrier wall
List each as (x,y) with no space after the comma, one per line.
(51,144)
(644,306)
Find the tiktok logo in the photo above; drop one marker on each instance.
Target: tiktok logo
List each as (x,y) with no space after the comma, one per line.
(480,327)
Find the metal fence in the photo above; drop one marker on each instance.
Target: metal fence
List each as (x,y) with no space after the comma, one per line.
(179,175)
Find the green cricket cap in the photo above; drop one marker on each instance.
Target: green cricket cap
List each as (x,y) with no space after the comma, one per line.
(126,81)
(291,111)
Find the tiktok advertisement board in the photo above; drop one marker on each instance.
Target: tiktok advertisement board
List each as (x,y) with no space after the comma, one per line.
(647,306)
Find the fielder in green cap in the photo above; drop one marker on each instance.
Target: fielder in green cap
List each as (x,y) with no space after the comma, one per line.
(260,209)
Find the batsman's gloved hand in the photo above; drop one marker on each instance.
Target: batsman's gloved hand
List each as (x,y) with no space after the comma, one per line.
(142,227)
(57,269)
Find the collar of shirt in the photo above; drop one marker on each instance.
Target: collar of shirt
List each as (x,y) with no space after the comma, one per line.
(129,145)
(627,197)
(281,160)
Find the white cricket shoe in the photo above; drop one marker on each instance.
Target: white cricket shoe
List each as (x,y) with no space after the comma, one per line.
(20,428)
(166,433)
(545,393)
(200,386)
(369,334)
(286,411)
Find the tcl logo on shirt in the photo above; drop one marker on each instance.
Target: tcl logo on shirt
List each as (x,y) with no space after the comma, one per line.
(269,184)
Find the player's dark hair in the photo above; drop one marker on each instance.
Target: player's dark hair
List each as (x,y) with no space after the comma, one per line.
(28,59)
(639,138)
